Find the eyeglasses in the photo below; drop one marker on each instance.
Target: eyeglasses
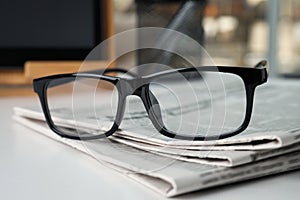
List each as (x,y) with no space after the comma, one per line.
(196,103)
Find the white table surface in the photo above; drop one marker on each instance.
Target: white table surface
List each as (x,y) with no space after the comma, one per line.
(33,166)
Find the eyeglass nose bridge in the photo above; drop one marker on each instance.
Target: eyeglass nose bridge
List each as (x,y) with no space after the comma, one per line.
(140,87)
(133,86)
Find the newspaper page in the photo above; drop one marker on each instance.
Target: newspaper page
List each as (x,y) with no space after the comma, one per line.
(227,158)
(170,177)
(275,124)
(160,162)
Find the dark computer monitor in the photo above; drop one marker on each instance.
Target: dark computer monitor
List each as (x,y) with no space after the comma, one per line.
(48,30)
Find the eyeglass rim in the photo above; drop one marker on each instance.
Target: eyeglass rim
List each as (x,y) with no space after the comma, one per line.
(252,77)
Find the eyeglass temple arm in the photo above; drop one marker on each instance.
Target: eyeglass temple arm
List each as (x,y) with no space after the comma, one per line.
(99,71)
(261,64)
(110,70)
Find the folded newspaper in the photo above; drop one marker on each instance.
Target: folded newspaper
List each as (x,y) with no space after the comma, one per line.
(270,145)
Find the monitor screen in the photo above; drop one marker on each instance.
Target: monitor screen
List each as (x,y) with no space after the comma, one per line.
(48,30)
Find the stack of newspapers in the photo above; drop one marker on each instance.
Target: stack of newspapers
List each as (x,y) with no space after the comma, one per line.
(270,145)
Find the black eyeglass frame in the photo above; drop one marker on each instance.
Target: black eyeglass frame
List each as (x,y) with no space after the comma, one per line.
(139,86)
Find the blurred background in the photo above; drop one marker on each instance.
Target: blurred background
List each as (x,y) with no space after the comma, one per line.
(46,37)
(236,32)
